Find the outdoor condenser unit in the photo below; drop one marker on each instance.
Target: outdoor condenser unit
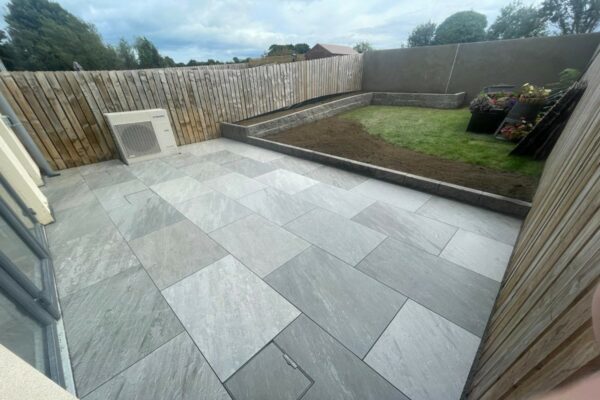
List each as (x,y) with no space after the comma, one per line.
(142,135)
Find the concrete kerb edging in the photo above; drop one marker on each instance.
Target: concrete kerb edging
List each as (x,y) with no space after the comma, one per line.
(505,205)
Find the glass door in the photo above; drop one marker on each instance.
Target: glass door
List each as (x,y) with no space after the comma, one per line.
(28,304)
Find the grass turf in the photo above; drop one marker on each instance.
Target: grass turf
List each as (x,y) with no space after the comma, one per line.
(441,133)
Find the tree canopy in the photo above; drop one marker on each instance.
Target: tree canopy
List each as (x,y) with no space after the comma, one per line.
(572,16)
(517,21)
(422,35)
(362,47)
(461,27)
(287,49)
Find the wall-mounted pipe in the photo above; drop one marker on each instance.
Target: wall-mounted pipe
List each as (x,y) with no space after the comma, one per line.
(24,137)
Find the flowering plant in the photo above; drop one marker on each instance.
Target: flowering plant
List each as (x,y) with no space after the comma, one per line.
(533,94)
(515,132)
(488,102)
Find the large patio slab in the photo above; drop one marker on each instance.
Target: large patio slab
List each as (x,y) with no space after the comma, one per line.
(230,271)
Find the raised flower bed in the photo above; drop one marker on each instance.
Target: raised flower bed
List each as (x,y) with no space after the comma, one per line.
(488,110)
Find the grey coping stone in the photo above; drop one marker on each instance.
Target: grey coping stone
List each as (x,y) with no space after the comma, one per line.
(87,259)
(114,196)
(249,167)
(175,371)
(180,189)
(205,170)
(113,324)
(220,157)
(229,312)
(425,233)
(286,181)
(424,355)
(108,176)
(234,185)
(337,372)
(478,253)
(259,244)
(345,239)
(334,199)
(337,177)
(176,251)
(390,193)
(139,219)
(268,376)
(276,206)
(352,307)
(152,172)
(484,222)
(454,292)
(294,164)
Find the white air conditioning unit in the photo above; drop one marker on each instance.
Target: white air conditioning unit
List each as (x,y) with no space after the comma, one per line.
(142,135)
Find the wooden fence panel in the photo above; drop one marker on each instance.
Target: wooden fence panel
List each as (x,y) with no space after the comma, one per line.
(540,333)
(64,111)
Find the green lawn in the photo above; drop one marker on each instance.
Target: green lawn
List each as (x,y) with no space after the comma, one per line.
(441,133)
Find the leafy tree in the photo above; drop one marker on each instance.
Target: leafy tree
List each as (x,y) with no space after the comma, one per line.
(517,21)
(148,55)
(44,36)
(422,35)
(126,55)
(168,62)
(572,16)
(461,27)
(362,47)
(280,50)
(301,48)
(6,51)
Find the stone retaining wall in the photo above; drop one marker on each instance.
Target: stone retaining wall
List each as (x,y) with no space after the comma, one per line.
(430,100)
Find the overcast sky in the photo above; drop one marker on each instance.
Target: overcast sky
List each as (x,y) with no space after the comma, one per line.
(222,29)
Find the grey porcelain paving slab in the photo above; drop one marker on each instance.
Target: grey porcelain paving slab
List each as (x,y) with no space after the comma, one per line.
(234,185)
(345,239)
(484,222)
(175,371)
(108,176)
(338,374)
(180,189)
(249,167)
(140,197)
(90,258)
(75,222)
(352,307)
(478,253)
(176,251)
(220,157)
(181,160)
(454,292)
(85,170)
(424,355)
(229,312)
(212,210)
(390,193)
(203,171)
(425,233)
(270,375)
(276,206)
(332,198)
(67,195)
(254,152)
(113,324)
(135,220)
(286,181)
(259,244)
(154,171)
(114,196)
(337,177)
(297,165)
(66,177)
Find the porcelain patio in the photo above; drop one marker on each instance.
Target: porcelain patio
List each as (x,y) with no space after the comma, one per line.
(230,271)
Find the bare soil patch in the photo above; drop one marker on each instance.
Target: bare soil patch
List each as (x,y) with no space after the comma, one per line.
(346,138)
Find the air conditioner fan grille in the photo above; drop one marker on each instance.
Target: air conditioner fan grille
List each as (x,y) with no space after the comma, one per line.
(137,139)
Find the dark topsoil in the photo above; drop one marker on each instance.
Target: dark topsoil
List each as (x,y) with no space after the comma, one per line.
(344,138)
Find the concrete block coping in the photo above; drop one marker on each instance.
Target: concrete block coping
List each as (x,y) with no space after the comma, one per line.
(252,134)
